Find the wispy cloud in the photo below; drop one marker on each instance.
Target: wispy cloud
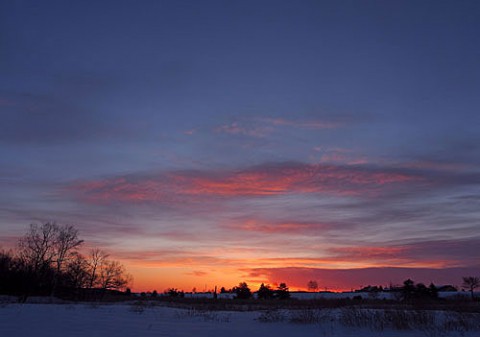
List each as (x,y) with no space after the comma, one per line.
(264,180)
(6,102)
(338,156)
(263,126)
(237,128)
(303,124)
(280,227)
(189,132)
(198,273)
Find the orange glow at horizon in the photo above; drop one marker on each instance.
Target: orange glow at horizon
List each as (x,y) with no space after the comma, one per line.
(187,274)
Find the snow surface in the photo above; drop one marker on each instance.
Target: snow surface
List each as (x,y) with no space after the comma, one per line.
(119,320)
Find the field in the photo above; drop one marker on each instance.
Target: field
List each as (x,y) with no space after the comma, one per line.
(153,318)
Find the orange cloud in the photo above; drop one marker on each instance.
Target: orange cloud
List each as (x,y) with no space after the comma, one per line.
(198,273)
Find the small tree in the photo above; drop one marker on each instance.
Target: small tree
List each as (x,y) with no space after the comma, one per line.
(174,292)
(471,283)
(408,290)
(312,286)
(265,292)
(282,291)
(242,291)
(433,291)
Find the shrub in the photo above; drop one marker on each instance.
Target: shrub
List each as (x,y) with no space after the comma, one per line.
(305,316)
(271,316)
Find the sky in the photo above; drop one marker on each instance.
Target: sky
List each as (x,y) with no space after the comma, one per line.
(205,143)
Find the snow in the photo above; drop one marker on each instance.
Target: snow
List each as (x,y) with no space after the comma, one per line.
(122,320)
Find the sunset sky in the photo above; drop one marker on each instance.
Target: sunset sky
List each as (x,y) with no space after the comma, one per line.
(205,143)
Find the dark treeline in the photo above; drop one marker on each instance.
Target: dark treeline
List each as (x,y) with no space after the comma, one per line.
(411,291)
(47,263)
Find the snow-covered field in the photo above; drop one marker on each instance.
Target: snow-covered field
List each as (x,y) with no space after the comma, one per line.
(88,320)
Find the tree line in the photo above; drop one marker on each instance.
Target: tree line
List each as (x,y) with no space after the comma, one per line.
(47,262)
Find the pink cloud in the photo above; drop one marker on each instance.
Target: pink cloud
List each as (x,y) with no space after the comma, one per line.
(279,227)
(266,180)
(189,132)
(261,127)
(237,128)
(6,102)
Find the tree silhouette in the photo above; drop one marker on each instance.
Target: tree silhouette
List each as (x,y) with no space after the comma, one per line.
(46,249)
(76,272)
(411,291)
(471,283)
(242,291)
(96,260)
(408,290)
(113,276)
(282,291)
(47,263)
(265,292)
(433,290)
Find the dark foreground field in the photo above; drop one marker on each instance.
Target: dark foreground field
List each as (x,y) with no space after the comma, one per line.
(204,317)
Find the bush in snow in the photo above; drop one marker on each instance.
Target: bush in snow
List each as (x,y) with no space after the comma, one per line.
(272,316)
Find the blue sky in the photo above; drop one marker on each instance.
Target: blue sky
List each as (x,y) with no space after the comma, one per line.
(325,134)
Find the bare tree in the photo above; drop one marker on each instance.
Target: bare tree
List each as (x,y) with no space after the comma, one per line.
(49,245)
(66,242)
(37,245)
(95,264)
(104,273)
(45,249)
(113,276)
(48,262)
(471,283)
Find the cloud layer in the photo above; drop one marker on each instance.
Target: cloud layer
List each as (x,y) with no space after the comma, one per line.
(265,180)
